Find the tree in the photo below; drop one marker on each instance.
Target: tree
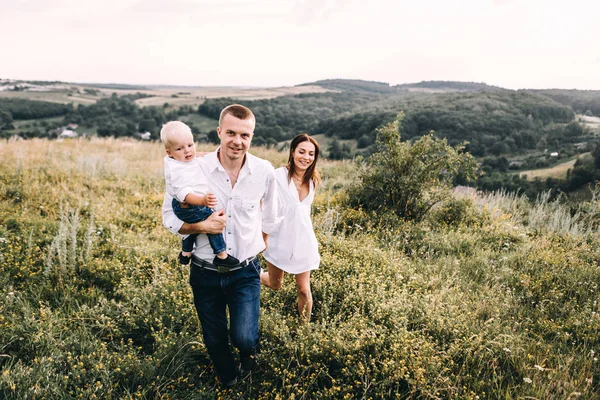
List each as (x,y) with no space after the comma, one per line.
(338,151)
(364,141)
(596,154)
(5,119)
(147,125)
(408,179)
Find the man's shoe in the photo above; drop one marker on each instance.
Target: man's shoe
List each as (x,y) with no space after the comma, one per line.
(247,364)
(231,383)
(228,262)
(185,260)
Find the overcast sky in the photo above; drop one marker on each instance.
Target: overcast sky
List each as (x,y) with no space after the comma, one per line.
(509,43)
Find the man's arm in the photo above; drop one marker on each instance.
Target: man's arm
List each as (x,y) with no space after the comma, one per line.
(215,223)
(270,221)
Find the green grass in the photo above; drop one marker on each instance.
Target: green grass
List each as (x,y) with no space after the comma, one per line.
(491,297)
(204,124)
(62,96)
(324,142)
(28,123)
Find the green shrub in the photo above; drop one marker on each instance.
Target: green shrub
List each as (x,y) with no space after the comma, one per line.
(408,179)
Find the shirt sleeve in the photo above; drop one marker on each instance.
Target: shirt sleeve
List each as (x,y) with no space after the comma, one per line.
(169,219)
(270,220)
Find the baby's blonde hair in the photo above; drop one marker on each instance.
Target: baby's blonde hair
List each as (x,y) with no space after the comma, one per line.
(172,128)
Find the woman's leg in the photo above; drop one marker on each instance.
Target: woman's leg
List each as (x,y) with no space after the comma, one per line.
(273,278)
(305,300)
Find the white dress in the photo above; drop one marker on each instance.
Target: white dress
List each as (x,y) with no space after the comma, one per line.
(293,247)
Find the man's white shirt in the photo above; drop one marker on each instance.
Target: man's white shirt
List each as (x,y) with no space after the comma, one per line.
(250,207)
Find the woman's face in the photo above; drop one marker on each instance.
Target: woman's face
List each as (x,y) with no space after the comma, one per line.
(303,156)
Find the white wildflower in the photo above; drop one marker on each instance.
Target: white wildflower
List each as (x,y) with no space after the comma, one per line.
(527,380)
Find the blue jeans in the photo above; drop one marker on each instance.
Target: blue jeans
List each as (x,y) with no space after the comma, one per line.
(196,214)
(240,292)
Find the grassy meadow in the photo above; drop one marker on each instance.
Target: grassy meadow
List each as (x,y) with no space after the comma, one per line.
(490,297)
(558,171)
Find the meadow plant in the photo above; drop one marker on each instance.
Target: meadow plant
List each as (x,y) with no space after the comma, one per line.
(67,254)
(555,216)
(406,178)
(473,302)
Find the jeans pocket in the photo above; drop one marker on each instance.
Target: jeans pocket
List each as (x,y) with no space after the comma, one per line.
(256,265)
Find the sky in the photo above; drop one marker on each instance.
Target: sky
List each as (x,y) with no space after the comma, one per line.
(509,43)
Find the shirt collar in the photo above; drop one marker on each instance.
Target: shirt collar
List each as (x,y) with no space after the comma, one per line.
(213,163)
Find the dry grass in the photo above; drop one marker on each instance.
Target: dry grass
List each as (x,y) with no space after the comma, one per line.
(558,171)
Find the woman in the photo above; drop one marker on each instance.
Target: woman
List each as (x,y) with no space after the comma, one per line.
(293,248)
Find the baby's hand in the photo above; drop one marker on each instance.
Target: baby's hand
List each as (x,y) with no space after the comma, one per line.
(211,200)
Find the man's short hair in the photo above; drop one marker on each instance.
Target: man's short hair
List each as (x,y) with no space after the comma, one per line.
(237,110)
(170,129)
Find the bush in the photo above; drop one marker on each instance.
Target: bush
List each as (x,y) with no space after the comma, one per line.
(408,179)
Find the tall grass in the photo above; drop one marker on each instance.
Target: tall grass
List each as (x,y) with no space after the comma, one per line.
(492,296)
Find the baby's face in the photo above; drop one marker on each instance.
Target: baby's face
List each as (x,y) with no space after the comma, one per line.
(182,148)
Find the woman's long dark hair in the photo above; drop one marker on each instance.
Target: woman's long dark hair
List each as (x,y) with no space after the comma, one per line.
(312,173)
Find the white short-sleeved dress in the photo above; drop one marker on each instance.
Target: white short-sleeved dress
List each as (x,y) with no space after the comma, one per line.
(293,247)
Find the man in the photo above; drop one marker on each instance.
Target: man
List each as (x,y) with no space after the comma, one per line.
(245,191)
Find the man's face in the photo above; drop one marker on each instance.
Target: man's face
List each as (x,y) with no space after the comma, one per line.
(236,135)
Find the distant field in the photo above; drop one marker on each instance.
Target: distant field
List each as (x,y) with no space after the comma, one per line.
(592,123)
(174,96)
(64,97)
(324,142)
(558,171)
(31,122)
(201,122)
(197,95)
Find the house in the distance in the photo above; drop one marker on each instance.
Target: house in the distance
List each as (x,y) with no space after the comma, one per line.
(515,164)
(67,133)
(144,136)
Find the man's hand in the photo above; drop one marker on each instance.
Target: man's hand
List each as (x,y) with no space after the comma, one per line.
(214,224)
(211,200)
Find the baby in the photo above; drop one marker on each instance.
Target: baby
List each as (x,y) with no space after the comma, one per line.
(188,186)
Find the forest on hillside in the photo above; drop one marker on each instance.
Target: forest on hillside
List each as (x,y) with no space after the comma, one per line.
(506,130)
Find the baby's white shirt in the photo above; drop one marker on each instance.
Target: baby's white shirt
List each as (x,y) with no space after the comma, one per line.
(183,178)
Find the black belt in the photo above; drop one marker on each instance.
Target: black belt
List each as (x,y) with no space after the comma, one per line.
(200,263)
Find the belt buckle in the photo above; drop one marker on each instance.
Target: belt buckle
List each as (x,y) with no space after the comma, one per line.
(221,269)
